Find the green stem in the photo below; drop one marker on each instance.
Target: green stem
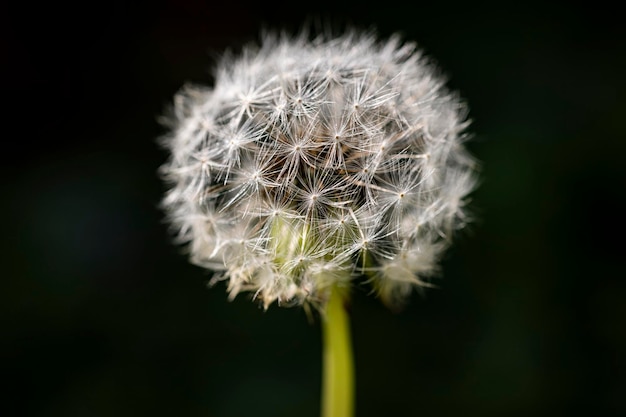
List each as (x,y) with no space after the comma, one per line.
(338,368)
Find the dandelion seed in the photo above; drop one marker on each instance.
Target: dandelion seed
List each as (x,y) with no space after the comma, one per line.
(312,163)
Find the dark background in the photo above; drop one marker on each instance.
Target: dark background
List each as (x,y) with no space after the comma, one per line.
(102,316)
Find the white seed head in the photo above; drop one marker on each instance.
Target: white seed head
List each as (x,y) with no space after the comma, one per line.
(312,163)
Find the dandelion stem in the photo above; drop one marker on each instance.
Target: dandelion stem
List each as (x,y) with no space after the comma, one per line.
(338,368)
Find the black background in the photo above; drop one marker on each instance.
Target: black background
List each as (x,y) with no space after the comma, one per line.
(102,316)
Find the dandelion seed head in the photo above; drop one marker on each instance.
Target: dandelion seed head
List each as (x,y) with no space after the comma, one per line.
(311,163)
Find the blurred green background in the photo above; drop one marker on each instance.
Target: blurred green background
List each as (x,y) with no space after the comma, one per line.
(102,316)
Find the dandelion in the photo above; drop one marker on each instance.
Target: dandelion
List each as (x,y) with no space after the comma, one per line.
(314,163)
